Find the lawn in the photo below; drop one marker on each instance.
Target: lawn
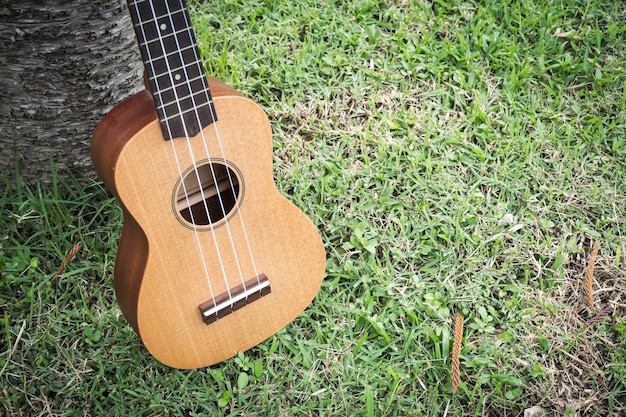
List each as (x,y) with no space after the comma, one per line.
(456,156)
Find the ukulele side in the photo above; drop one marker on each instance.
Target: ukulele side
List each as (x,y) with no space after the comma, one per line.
(110,137)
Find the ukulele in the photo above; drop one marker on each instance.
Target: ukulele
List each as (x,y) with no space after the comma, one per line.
(212,259)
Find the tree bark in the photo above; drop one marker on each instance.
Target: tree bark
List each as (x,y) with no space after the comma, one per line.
(63,65)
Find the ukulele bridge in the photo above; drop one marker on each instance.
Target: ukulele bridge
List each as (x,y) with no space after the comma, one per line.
(234,299)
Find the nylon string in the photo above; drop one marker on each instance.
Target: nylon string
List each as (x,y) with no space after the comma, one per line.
(180,173)
(219,142)
(195,166)
(215,183)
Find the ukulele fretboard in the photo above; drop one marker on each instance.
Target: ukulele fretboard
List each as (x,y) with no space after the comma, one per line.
(173,67)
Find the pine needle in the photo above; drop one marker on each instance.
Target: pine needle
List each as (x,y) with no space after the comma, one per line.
(456,351)
(68,258)
(589,274)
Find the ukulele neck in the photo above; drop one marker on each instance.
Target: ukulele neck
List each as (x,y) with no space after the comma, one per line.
(172,62)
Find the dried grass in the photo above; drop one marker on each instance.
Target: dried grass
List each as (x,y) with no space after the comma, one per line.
(67,259)
(589,275)
(573,348)
(456,351)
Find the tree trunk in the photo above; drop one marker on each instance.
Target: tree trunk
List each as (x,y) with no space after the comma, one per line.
(63,64)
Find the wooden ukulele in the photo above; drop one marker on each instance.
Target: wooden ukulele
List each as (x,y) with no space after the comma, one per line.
(212,259)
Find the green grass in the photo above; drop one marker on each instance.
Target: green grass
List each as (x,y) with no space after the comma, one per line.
(455,155)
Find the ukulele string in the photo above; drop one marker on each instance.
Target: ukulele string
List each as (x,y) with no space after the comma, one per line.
(228,173)
(223,156)
(204,142)
(180,172)
(173,80)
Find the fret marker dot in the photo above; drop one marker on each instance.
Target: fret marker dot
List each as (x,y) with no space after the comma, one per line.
(163,26)
(177,77)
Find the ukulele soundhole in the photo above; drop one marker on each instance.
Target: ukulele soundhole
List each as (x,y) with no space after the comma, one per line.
(208,195)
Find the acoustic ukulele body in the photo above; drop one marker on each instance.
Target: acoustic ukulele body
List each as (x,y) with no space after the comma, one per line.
(261,252)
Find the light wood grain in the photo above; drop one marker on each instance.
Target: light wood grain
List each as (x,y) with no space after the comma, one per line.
(163,301)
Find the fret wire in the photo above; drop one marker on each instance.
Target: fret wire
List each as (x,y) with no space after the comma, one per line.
(199,97)
(156,20)
(193,65)
(175,59)
(163,38)
(153,8)
(182,83)
(179,114)
(158,50)
(197,87)
(169,54)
